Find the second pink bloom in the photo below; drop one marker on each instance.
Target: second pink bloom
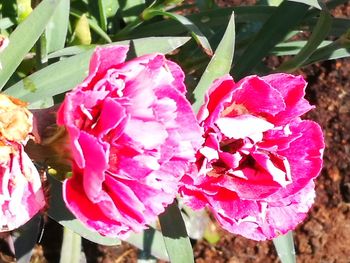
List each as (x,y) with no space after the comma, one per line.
(256,168)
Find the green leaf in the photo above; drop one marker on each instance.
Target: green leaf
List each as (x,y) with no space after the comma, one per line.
(285,18)
(6,23)
(26,238)
(107,8)
(151,242)
(337,49)
(313,3)
(210,21)
(319,33)
(41,52)
(195,32)
(66,74)
(82,34)
(70,51)
(219,65)
(293,47)
(132,9)
(56,29)
(273,2)
(163,45)
(24,37)
(59,212)
(196,221)
(71,247)
(52,80)
(176,240)
(285,248)
(42,104)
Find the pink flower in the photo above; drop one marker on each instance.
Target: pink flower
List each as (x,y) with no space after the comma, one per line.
(133,135)
(21,195)
(256,168)
(4,42)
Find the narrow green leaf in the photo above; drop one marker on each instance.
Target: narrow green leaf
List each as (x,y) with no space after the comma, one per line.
(285,248)
(107,8)
(41,52)
(42,104)
(62,215)
(103,16)
(340,26)
(132,9)
(82,34)
(24,37)
(207,20)
(219,65)
(111,7)
(176,240)
(163,45)
(52,80)
(26,238)
(70,51)
(150,241)
(293,47)
(6,23)
(337,49)
(319,33)
(285,18)
(273,2)
(195,32)
(56,29)
(196,221)
(313,3)
(71,247)
(66,74)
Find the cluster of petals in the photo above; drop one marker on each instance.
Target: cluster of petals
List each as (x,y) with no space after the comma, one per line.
(133,136)
(21,195)
(256,167)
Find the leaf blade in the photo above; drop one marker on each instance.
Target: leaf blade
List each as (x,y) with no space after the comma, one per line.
(151,242)
(25,243)
(175,235)
(66,74)
(219,65)
(283,20)
(188,24)
(319,33)
(56,30)
(284,245)
(71,247)
(24,37)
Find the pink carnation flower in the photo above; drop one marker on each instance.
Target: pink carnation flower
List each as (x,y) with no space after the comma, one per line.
(21,195)
(256,168)
(133,135)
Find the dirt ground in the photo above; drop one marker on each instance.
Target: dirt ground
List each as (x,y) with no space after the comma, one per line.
(325,234)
